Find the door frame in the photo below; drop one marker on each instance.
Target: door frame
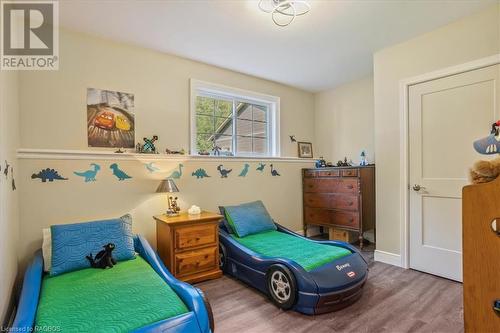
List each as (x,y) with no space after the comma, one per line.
(404,86)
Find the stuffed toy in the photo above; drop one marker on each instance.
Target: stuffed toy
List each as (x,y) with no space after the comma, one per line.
(486,171)
(104,258)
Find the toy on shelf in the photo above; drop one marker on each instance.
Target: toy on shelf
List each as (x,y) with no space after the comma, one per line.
(321,163)
(148,147)
(362,160)
(175,152)
(344,162)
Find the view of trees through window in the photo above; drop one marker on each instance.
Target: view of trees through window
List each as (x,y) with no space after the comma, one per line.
(215,119)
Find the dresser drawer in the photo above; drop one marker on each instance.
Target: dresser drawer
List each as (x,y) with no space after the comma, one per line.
(329,185)
(336,201)
(321,173)
(196,261)
(196,235)
(350,173)
(317,215)
(345,219)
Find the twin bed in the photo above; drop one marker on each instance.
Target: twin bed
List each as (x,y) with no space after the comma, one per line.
(140,294)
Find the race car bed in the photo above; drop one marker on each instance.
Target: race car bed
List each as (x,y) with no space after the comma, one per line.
(297,273)
(138,295)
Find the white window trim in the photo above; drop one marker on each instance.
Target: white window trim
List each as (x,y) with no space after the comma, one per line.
(245,95)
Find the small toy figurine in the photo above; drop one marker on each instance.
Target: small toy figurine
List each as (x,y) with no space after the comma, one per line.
(363,158)
(119,151)
(321,163)
(216,150)
(104,258)
(175,152)
(343,163)
(149,145)
(173,207)
(138,148)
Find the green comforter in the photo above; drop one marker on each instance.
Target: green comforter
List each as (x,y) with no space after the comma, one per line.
(126,297)
(306,253)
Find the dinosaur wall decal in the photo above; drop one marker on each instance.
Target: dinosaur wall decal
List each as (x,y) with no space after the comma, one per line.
(260,167)
(6,169)
(118,173)
(13,180)
(223,172)
(89,174)
(48,174)
(274,172)
(177,174)
(151,167)
(200,173)
(244,171)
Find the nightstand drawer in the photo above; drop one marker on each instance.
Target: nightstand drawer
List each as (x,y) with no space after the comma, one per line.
(195,235)
(196,261)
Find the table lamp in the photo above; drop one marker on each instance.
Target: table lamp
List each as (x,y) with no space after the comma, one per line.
(168,186)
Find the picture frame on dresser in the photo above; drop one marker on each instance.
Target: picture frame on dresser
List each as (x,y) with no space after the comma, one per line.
(341,198)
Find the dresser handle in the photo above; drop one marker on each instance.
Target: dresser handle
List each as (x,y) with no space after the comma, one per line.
(351,203)
(496,307)
(351,220)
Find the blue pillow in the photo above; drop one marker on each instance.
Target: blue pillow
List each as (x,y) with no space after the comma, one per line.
(222,211)
(71,243)
(249,218)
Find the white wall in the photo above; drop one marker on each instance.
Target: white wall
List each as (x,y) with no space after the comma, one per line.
(468,39)
(344,121)
(9,221)
(53,115)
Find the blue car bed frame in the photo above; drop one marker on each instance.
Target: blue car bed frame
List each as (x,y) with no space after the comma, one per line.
(327,288)
(198,319)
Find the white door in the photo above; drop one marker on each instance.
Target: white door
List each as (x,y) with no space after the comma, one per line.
(445,116)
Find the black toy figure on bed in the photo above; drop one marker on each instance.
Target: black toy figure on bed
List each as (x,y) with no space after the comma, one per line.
(104,258)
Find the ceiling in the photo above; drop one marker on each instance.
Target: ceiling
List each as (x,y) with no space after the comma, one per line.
(331,45)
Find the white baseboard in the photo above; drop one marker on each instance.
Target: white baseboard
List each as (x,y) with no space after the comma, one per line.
(388,258)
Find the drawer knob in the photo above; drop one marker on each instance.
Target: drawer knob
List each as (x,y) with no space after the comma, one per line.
(351,220)
(350,187)
(351,203)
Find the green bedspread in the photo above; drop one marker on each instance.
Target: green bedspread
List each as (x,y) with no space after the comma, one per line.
(126,297)
(307,254)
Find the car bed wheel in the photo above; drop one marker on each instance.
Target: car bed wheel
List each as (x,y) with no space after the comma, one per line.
(281,286)
(222,257)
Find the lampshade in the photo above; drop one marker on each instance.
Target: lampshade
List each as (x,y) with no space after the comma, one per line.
(167,186)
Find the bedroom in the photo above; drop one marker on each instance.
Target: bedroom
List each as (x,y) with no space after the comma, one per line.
(217,104)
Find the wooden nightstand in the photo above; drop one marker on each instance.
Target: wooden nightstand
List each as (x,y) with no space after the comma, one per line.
(189,245)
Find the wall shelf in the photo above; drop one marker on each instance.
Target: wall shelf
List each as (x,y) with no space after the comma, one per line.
(58,154)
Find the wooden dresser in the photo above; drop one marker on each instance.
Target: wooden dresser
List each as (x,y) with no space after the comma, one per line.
(480,253)
(189,245)
(340,197)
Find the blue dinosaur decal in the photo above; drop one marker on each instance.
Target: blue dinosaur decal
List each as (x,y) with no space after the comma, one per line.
(200,173)
(177,174)
(223,172)
(48,174)
(260,167)
(118,173)
(151,167)
(89,175)
(244,171)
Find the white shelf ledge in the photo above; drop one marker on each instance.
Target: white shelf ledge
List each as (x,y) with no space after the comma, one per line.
(58,154)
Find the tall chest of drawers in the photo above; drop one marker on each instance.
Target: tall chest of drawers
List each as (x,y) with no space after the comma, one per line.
(340,197)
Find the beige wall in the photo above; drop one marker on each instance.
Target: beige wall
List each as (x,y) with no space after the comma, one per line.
(53,115)
(465,40)
(9,221)
(344,121)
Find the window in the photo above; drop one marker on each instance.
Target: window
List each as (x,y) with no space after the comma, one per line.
(232,121)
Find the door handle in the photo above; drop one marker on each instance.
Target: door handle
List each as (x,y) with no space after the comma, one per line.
(496,307)
(417,187)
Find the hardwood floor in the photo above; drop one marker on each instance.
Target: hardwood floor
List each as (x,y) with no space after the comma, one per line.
(394,300)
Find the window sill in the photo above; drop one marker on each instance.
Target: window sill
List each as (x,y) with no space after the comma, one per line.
(59,154)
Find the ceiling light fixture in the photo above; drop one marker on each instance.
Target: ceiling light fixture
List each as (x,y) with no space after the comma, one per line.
(283,12)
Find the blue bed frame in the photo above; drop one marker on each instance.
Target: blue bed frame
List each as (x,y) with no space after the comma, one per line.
(323,289)
(198,319)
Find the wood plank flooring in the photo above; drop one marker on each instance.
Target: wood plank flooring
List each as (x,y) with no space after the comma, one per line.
(395,300)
